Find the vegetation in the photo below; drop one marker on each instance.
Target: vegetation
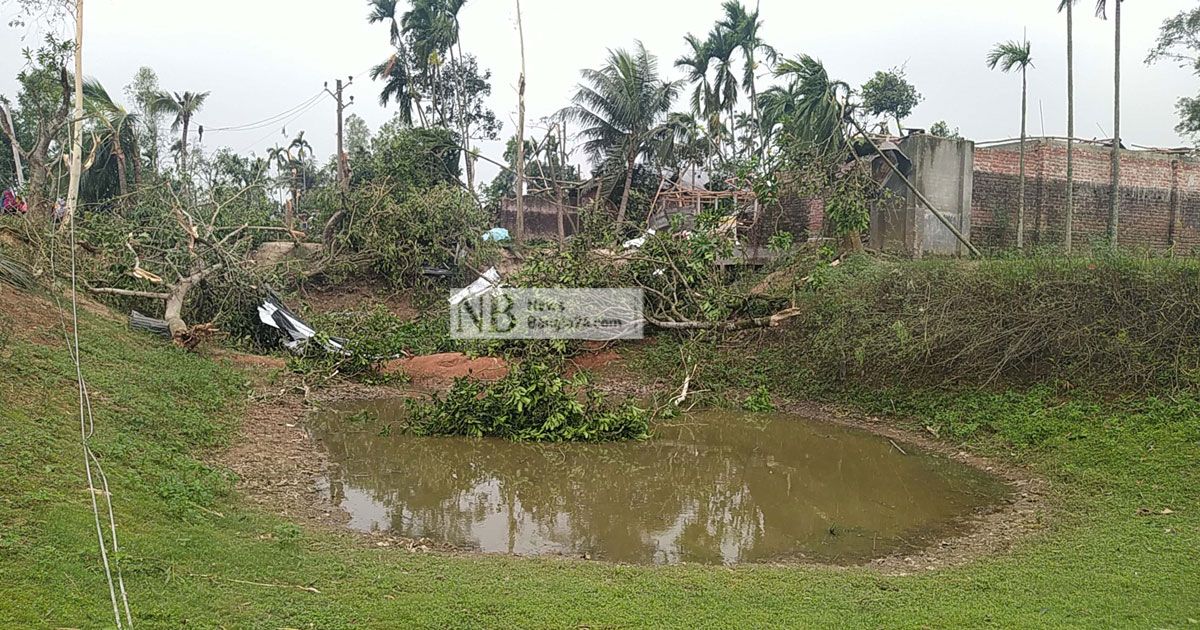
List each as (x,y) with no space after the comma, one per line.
(1011,56)
(622,108)
(1082,370)
(532,403)
(1179,41)
(195,553)
(890,93)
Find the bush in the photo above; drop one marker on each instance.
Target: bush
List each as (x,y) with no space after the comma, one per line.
(436,228)
(1114,321)
(410,158)
(372,337)
(532,403)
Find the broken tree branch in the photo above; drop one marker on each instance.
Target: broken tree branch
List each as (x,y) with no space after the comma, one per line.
(770,321)
(130,293)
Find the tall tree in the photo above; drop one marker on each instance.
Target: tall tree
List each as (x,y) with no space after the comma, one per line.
(385,11)
(398,85)
(521,131)
(76,170)
(182,106)
(1114,206)
(721,47)
(1069,7)
(41,115)
(1009,56)
(744,26)
(696,63)
(142,91)
(621,107)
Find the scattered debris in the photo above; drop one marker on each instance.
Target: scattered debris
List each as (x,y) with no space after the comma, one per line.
(489,281)
(274,314)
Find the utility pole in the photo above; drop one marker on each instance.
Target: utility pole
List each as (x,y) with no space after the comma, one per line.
(343,164)
(76,163)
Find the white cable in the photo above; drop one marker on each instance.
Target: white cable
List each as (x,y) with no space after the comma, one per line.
(87,427)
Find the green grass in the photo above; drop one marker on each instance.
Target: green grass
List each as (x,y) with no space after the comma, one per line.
(1098,564)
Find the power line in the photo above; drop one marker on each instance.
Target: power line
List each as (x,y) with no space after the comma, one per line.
(266,121)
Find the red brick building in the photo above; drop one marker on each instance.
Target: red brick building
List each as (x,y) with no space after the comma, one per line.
(1159,204)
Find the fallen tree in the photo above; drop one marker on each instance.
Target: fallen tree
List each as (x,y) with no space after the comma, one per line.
(196,251)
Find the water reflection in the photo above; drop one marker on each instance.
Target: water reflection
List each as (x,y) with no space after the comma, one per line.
(714,488)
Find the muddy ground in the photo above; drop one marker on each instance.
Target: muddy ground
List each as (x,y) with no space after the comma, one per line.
(282,468)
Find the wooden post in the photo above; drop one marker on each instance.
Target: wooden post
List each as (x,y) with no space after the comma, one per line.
(520,235)
(76,171)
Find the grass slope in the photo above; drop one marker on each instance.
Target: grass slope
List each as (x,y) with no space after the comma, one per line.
(191,547)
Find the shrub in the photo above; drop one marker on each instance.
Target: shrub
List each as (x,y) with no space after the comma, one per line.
(1113,321)
(532,403)
(435,228)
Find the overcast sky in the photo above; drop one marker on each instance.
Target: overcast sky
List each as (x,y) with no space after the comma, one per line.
(263,57)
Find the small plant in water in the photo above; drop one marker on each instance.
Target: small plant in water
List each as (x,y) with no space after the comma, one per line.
(759,401)
(533,403)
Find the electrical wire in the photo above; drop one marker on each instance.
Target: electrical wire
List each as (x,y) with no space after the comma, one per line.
(87,428)
(266,121)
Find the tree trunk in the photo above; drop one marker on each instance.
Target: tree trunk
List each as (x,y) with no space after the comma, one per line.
(173,312)
(629,165)
(76,172)
(119,153)
(39,174)
(757,115)
(137,159)
(1021,183)
(183,146)
(1114,202)
(520,236)
(1070,126)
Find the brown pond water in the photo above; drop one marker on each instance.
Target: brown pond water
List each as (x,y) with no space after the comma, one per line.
(713,488)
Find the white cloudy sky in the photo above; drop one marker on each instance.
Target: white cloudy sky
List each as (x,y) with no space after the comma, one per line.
(262,57)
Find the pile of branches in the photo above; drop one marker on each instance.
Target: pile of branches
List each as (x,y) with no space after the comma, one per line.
(176,257)
(1112,322)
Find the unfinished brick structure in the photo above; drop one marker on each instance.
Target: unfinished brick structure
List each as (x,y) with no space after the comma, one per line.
(1160,196)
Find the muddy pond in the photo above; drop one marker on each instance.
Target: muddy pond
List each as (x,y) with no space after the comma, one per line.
(711,488)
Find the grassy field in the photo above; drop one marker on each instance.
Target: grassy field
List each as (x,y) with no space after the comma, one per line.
(194,555)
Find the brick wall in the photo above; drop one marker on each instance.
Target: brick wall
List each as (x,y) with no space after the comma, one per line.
(1159,203)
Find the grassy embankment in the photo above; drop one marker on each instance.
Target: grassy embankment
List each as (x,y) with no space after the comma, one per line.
(195,555)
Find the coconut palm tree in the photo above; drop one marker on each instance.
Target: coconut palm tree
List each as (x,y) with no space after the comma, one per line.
(1068,6)
(1115,199)
(182,107)
(118,124)
(683,144)
(1009,56)
(744,25)
(621,107)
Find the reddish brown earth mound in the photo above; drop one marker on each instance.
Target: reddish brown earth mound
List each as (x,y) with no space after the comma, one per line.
(448,366)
